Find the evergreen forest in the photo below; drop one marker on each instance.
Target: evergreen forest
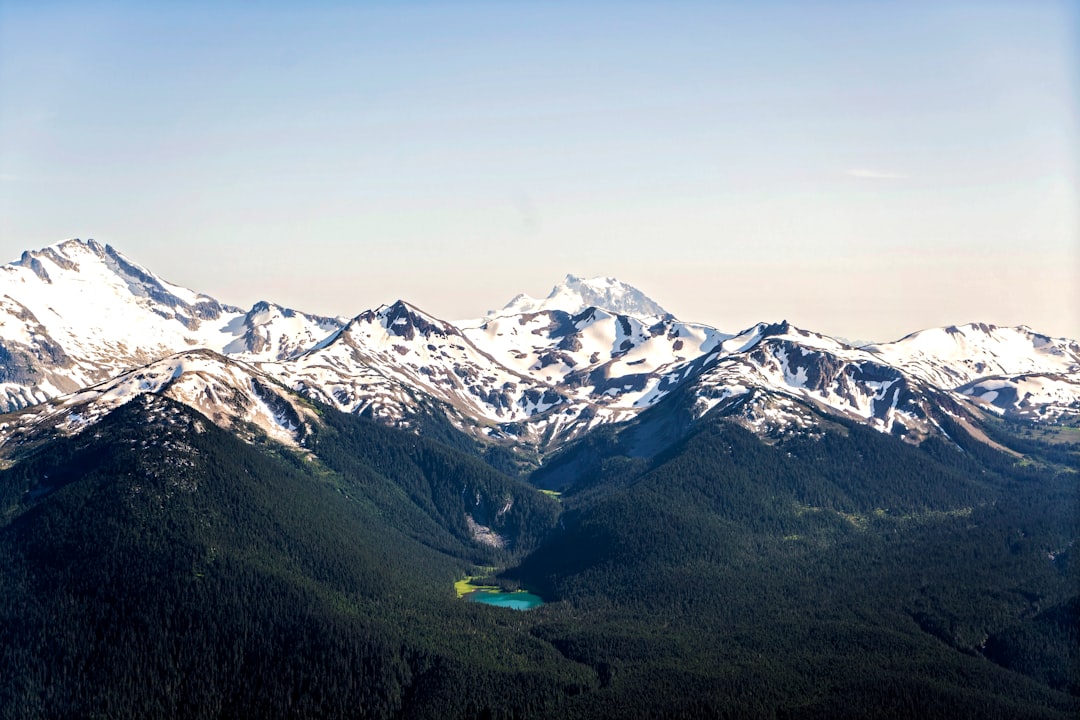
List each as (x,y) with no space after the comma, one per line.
(158,566)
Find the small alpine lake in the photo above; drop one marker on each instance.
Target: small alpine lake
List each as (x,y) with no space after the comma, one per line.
(492,595)
(519,600)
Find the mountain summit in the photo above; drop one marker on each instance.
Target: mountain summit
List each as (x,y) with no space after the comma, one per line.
(575,294)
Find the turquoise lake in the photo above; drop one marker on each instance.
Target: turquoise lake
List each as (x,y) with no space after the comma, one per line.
(514,601)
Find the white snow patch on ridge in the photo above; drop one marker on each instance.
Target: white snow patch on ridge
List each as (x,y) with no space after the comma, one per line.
(225,391)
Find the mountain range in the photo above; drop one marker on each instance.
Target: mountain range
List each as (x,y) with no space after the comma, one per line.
(213,512)
(531,376)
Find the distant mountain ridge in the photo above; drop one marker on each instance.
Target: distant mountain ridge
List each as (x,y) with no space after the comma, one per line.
(532,376)
(574,294)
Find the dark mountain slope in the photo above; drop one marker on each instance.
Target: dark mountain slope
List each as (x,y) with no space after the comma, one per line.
(156,566)
(455,491)
(849,575)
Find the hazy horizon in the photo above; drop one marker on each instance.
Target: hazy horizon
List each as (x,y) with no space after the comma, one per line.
(862,170)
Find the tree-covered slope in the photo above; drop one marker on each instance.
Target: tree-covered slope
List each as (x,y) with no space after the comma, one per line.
(156,566)
(844,575)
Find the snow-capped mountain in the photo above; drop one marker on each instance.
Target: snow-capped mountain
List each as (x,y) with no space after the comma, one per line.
(574,294)
(773,373)
(595,353)
(80,312)
(272,332)
(956,355)
(383,358)
(231,394)
(81,315)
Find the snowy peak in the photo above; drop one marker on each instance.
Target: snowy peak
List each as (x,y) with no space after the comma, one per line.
(402,320)
(597,355)
(92,261)
(271,332)
(88,295)
(798,369)
(385,358)
(782,330)
(79,312)
(574,294)
(955,355)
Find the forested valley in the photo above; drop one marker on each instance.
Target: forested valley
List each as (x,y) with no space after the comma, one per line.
(158,566)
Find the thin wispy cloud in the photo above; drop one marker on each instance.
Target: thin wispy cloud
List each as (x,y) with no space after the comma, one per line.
(875,174)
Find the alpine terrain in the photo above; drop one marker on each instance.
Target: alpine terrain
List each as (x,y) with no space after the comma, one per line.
(210,511)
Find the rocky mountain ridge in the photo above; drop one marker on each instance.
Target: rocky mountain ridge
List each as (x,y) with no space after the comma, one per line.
(80,315)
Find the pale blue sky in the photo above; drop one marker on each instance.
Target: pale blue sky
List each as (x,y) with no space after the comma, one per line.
(863,169)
